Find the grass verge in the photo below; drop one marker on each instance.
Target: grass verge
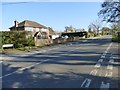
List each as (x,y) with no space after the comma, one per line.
(115,38)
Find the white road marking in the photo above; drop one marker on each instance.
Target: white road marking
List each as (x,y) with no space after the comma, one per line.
(84,40)
(111,60)
(102,56)
(111,57)
(21,69)
(93,72)
(105,51)
(108,74)
(110,67)
(28,67)
(86,83)
(109,47)
(97,65)
(8,74)
(103,85)
(100,60)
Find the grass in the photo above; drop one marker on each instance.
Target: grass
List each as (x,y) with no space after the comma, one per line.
(16,50)
(19,50)
(10,50)
(115,38)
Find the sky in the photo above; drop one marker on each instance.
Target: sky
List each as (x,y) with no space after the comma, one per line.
(53,0)
(51,14)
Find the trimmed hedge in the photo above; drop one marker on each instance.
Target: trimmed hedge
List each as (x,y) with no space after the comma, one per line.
(19,39)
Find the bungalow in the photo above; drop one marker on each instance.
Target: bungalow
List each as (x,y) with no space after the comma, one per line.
(28,25)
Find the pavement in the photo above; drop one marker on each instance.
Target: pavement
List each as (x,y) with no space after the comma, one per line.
(91,63)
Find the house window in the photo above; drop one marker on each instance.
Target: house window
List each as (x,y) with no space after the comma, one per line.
(44,30)
(29,28)
(37,29)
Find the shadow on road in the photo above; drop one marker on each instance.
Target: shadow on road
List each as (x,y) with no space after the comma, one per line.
(29,78)
(43,79)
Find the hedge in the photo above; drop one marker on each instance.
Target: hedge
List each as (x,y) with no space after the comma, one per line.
(18,38)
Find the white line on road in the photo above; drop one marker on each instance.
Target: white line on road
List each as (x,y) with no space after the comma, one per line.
(102,56)
(108,74)
(111,57)
(110,67)
(84,40)
(97,65)
(103,85)
(111,60)
(109,47)
(86,83)
(100,60)
(105,52)
(28,67)
(8,74)
(93,72)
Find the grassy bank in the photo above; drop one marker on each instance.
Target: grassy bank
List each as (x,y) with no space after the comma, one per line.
(115,38)
(17,50)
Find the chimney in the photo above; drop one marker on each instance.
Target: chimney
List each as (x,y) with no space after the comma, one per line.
(16,23)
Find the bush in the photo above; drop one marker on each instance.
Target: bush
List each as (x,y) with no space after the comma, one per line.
(115,38)
(19,39)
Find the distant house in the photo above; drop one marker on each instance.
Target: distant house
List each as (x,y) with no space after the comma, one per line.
(28,25)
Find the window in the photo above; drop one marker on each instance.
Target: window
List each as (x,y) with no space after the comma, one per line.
(44,30)
(29,28)
(37,29)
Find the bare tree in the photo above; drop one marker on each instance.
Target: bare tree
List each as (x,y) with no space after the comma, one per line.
(69,29)
(95,27)
(110,11)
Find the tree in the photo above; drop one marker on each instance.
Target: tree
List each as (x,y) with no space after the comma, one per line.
(115,28)
(110,11)
(69,29)
(106,30)
(90,29)
(95,27)
(51,30)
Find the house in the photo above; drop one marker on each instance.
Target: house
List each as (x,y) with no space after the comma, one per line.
(53,34)
(28,25)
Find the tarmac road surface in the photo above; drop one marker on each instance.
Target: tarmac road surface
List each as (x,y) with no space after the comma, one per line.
(92,63)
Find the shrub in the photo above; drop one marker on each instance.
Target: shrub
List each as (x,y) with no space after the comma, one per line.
(115,38)
(19,39)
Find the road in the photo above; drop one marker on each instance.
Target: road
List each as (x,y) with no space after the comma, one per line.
(92,63)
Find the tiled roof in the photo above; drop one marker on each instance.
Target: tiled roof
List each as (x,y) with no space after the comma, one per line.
(28,23)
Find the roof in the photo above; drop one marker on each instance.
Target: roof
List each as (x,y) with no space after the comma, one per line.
(40,33)
(51,31)
(28,23)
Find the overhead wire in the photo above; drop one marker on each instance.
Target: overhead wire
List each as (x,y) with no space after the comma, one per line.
(9,3)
